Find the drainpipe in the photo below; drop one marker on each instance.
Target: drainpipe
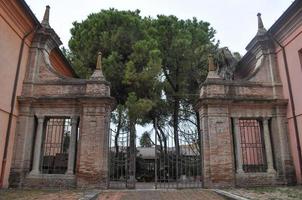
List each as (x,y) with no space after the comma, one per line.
(291,98)
(10,118)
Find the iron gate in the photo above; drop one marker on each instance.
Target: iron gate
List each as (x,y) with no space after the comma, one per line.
(170,169)
(55,146)
(120,161)
(252,146)
(178,167)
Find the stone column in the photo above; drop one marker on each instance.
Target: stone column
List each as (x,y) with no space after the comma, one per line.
(268,147)
(238,146)
(23,144)
(72,145)
(38,146)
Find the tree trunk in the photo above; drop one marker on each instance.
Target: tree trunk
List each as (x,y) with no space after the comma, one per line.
(176,138)
(158,135)
(198,130)
(132,152)
(175,125)
(164,139)
(118,131)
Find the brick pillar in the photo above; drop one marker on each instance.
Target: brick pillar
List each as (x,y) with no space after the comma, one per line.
(218,156)
(93,146)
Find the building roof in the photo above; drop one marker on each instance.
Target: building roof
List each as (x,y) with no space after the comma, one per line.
(146,152)
(284,18)
(37,23)
(284,26)
(185,150)
(29,11)
(280,22)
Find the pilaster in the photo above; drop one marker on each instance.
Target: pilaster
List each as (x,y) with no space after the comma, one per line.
(268,147)
(72,145)
(38,146)
(238,146)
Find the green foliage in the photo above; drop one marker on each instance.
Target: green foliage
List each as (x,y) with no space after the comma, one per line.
(185,46)
(137,107)
(155,66)
(145,140)
(113,33)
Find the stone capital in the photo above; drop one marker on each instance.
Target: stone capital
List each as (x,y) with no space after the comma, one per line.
(40,118)
(265,120)
(74,119)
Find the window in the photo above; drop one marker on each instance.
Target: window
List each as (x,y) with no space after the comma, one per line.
(252,145)
(55,145)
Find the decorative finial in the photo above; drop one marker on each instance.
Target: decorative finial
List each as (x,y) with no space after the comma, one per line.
(261,29)
(99,61)
(45,21)
(98,74)
(211,63)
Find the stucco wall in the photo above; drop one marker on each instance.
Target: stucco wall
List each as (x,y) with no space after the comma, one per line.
(10,42)
(293,43)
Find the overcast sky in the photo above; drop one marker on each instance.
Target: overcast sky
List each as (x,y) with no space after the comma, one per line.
(234,20)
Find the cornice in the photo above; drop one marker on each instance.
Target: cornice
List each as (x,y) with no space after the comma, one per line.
(288,22)
(18,18)
(239,83)
(68,100)
(238,101)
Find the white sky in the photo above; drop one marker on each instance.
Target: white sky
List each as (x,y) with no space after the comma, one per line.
(234,20)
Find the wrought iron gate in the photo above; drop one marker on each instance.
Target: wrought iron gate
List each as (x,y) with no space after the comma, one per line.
(178,167)
(119,161)
(171,168)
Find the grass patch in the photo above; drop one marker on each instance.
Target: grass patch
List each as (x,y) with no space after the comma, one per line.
(271,193)
(262,189)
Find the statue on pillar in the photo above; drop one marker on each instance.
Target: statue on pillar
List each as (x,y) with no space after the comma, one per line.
(227,62)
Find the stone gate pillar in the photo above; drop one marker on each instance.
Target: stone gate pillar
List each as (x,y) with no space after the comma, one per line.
(92,165)
(218,161)
(216,134)
(235,114)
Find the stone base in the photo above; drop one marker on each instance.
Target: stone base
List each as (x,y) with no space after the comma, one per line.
(16,178)
(85,180)
(219,184)
(257,179)
(49,181)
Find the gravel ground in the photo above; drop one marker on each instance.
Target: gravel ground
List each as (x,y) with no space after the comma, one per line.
(259,193)
(270,193)
(22,194)
(186,194)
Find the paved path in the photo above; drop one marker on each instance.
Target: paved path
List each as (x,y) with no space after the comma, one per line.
(160,194)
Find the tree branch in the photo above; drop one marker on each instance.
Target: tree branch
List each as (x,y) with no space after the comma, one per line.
(168,78)
(184,119)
